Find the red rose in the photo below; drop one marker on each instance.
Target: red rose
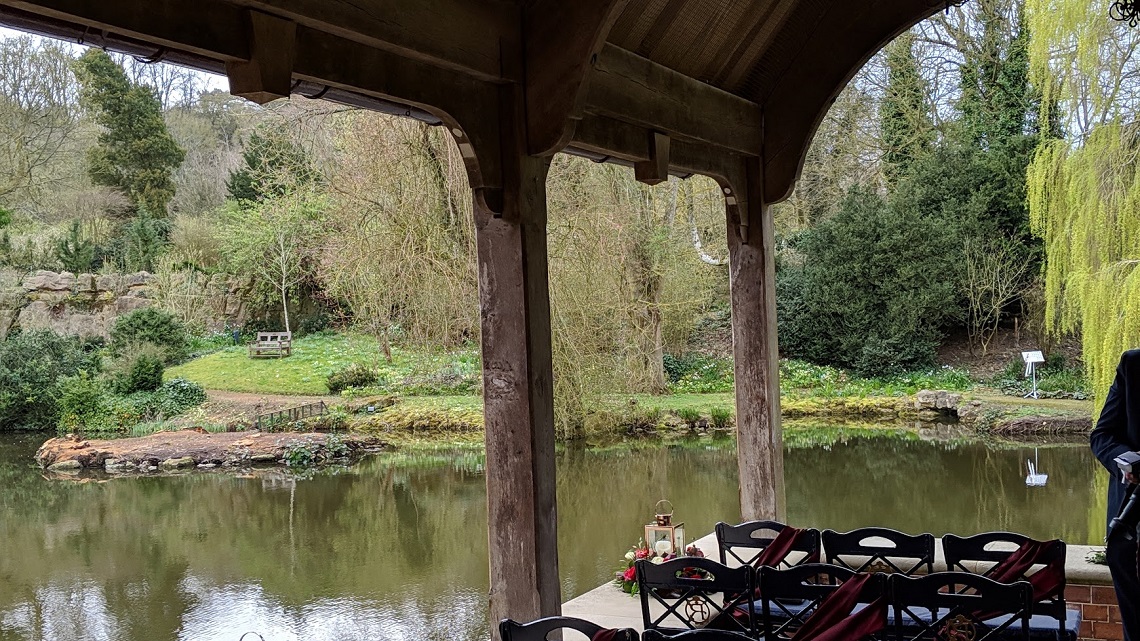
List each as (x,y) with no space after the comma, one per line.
(642,553)
(629,574)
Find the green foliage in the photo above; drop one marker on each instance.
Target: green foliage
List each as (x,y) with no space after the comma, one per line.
(274,165)
(139,369)
(31,366)
(876,285)
(694,373)
(800,378)
(5,217)
(135,152)
(354,375)
(904,115)
(720,418)
(74,251)
(87,405)
(151,325)
(997,104)
(176,396)
(1055,379)
(691,416)
(140,243)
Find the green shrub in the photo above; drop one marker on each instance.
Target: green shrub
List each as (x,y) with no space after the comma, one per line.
(354,375)
(690,416)
(138,370)
(876,285)
(87,405)
(721,418)
(178,395)
(154,326)
(31,366)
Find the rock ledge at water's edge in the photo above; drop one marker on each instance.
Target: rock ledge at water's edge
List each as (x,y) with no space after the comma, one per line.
(171,451)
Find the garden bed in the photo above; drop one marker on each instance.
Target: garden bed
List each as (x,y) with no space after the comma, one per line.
(190,449)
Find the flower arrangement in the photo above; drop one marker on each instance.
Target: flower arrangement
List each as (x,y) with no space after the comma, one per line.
(626,575)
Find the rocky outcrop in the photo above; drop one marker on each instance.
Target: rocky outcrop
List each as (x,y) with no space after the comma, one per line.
(88,304)
(188,449)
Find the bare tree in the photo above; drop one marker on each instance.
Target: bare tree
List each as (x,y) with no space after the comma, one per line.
(996,274)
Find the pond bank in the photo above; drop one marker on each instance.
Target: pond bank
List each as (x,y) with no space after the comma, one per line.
(189,449)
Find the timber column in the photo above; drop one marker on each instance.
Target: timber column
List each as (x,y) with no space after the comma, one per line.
(517,381)
(752,280)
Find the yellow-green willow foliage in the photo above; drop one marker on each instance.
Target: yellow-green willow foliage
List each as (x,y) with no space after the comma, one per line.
(1083,63)
(1085,204)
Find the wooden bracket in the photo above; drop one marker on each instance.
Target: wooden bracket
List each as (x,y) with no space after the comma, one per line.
(268,74)
(655,170)
(563,40)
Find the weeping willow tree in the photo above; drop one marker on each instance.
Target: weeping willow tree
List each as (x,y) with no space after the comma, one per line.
(1084,193)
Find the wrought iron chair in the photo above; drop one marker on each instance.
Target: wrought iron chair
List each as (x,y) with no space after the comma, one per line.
(789,597)
(1051,619)
(695,635)
(877,549)
(721,596)
(950,606)
(743,543)
(538,630)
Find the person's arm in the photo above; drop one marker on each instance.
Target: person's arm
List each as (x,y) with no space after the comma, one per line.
(1108,438)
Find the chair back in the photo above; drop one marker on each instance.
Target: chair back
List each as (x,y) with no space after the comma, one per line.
(539,629)
(878,549)
(964,553)
(695,635)
(959,605)
(688,593)
(743,543)
(790,596)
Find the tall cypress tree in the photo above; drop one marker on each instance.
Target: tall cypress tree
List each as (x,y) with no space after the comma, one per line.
(997,103)
(904,116)
(135,152)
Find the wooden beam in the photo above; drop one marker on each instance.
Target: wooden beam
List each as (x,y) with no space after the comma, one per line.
(455,34)
(209,28)
(268,74)
(518,387)
(655,170)
(562,41)
(804,86)
(627,87)
(752,284)
(609,138)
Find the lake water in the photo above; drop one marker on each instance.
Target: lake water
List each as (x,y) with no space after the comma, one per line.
(395,548)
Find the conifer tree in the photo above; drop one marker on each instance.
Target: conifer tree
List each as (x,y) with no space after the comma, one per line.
(135,151)
(904,115)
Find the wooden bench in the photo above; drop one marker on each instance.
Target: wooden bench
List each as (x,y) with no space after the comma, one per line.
(279,344)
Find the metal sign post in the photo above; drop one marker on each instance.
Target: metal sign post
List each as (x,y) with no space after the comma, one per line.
(1031,360)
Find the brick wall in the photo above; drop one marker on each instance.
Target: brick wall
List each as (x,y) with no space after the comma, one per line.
(1100,616)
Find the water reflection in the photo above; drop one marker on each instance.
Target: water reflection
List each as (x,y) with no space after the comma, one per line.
(396,548)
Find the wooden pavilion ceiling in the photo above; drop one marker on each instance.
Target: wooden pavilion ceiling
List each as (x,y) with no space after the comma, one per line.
(745,77)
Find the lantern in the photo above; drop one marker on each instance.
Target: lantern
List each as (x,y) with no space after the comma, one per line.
(662,535)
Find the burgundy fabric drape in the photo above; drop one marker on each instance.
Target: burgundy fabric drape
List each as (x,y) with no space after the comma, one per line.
(834,621)
(1047,582)
(606,634)
(781,547)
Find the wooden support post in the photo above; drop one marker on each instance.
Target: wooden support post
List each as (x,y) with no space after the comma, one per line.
(517,383)
(655,170)
(752,279)
(268,73)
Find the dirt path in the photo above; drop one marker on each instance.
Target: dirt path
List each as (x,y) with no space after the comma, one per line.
(223,408)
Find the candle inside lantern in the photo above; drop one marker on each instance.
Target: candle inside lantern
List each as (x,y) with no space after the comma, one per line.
(664,547)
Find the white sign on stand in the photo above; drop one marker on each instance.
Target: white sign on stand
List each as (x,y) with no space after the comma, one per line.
(1031,360)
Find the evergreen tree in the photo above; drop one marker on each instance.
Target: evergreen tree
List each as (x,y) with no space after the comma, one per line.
(135,151)
(75,253)
(273,166)
(996,103)
(904,115)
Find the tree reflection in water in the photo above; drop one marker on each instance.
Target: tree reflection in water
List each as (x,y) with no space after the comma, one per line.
(396,547)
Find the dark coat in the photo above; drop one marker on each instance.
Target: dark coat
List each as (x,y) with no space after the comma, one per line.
(1118,429)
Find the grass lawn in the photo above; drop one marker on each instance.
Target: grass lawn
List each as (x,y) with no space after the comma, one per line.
(314,358)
